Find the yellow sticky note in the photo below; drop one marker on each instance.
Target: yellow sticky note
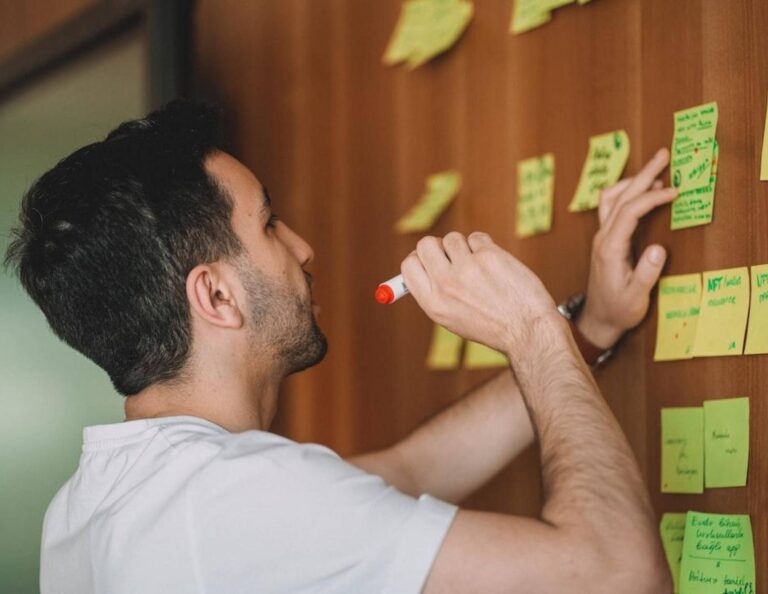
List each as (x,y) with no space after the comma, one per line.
(695,207)
(718,555)
(757,332)
(726,442)
(535,191)
(672,530)
(527,15)
(724,312)
(479,356)
(606,159)
(552,4)
(427,28)
(679,302)
(409,26)
(445,349)
(447,21)
(441,190)
(584,1)
(764,159)
(682,450)
(693,146)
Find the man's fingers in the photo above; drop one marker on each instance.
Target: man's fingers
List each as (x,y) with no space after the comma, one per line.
(608,199)
(432,256)
(415,277)
(648,174)
(456,246)
(625,220)
(649,268)
(478,239)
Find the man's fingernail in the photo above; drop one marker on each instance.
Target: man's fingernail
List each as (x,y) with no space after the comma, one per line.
(656,255)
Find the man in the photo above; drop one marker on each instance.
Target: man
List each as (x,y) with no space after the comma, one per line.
(156,254)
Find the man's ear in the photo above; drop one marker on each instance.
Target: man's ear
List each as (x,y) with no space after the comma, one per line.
(212,296)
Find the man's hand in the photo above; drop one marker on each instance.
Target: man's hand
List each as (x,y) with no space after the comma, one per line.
(476,289)
(618,290)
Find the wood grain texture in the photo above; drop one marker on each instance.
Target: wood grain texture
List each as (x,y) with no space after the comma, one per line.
(22,23)
(344,145)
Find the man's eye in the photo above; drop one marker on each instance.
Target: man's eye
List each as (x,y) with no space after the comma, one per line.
(271,223)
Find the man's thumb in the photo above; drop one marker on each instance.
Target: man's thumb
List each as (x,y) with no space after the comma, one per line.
(649,267)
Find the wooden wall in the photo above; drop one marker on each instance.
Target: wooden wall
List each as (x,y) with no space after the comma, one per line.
(22,23)
(344,145)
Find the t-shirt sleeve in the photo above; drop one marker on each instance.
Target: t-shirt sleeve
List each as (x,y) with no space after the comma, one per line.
(297,518)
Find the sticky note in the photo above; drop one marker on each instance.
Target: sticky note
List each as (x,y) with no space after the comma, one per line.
(535,191)
(445,349)
(406,33)
(527,15)
(724,311)
(552,4)
(693,146)
(764,158)
(606,159)
(726,442)
(679,302)
(695,207)
(682,450)
(672,530)
(441,190)
(479,356)
(427,28)
(718,555)
(447,21)
(757,331)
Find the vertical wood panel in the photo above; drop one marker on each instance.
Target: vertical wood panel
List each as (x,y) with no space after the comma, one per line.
(345,145)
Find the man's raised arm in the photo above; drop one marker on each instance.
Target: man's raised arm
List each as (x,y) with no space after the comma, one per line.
(464,446)
(597,531)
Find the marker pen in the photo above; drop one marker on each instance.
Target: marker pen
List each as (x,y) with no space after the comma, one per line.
(391,291)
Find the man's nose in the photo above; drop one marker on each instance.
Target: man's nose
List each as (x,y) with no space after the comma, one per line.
(301,250)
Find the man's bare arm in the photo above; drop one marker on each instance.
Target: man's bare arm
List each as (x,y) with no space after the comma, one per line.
(592,486)
(464,446)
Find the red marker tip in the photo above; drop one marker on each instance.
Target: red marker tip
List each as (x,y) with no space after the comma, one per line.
(384,295)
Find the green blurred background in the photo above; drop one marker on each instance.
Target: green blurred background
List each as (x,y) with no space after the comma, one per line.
(49,392)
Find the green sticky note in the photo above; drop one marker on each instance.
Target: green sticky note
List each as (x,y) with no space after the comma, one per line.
(606,159)
(552,4)
(672,530)
(726,442)
(679,303)
(441,190)
(696,207)
(535,192)
(724,312)
(527,15)
(479,356)
(444,350)
(425,29)
(446,21)
(692,146)
(757,331)
(682,450)
(718,555)
(414,15)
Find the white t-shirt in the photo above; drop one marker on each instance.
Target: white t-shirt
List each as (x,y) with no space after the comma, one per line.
(180,505)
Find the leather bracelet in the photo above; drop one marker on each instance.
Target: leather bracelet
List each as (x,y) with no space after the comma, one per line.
(592,354)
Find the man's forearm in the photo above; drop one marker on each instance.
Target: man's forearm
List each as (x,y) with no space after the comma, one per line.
(592,484)
(461,448)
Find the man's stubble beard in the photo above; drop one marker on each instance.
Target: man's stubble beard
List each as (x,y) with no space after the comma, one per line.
(282,322)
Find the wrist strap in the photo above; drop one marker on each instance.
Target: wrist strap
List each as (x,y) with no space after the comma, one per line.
(593,355)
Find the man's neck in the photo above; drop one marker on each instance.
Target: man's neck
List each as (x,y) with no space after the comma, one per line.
(236,405)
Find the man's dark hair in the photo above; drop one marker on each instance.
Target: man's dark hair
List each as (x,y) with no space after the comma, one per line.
(108,236)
